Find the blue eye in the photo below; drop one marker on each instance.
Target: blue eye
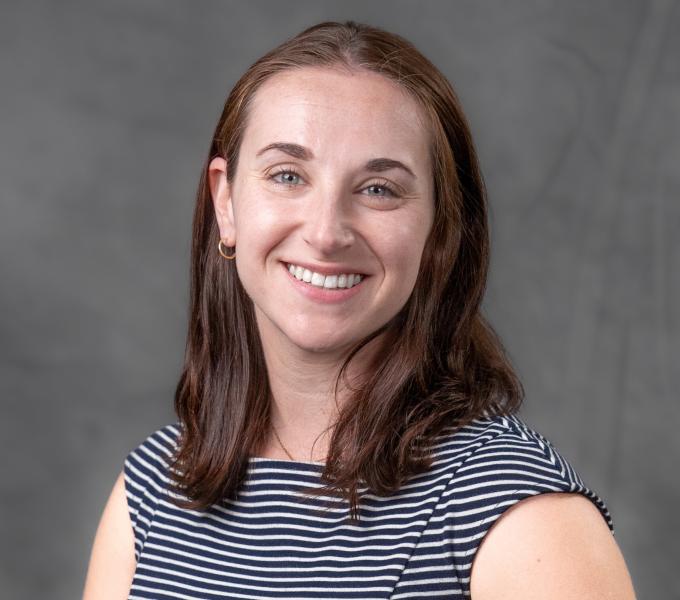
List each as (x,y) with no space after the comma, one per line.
(290,177)
(381,186)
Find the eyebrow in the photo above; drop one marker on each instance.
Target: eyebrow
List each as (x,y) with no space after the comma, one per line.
(375,165)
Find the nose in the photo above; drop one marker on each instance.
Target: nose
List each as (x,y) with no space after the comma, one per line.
(327,226)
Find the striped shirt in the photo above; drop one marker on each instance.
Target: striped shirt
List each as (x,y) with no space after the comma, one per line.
(270,542)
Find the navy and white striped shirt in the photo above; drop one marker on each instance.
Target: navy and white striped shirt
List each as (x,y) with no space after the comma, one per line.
(274,543)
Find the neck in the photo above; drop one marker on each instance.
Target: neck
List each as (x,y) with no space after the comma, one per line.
(303,405)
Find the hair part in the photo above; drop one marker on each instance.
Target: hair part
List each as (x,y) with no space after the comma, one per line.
(439,364)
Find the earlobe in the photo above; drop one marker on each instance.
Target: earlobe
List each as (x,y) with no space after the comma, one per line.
(221,196)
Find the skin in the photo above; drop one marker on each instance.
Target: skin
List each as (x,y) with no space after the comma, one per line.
(555,546)
(331,213)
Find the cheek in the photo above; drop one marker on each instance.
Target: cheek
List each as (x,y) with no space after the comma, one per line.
(259,229)
(260,223)
(402,245)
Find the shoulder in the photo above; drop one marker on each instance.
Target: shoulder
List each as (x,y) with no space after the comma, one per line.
(551,545)
(147,463)
(508,460)
(146,479)
(160,443)
(494,464)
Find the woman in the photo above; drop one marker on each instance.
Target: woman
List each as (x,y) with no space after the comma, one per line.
(347,420)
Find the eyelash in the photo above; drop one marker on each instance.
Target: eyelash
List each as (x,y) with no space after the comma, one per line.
(381,184)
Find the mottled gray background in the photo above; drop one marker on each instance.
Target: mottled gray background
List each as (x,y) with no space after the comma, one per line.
(106,115)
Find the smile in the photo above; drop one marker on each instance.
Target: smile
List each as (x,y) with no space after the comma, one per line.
(324,293)
(341,280)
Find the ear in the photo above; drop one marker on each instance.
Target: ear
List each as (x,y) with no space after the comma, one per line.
(221,197)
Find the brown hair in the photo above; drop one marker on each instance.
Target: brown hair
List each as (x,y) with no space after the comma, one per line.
(440,364)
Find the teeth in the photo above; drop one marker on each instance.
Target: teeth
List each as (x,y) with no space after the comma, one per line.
(344,280)
(331,281)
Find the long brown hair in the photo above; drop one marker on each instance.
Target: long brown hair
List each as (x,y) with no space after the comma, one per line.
(440,364)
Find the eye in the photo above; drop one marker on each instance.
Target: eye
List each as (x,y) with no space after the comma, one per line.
(291,177)
(384,186)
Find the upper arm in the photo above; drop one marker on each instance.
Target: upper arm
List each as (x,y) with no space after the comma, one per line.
(553,545)
(112,561)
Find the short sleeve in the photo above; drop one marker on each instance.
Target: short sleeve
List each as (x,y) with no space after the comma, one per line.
(514,464)
(145,471)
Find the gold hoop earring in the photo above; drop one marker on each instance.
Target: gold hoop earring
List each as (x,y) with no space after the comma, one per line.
(219,249)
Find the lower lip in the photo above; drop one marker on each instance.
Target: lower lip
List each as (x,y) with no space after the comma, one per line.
(325,295)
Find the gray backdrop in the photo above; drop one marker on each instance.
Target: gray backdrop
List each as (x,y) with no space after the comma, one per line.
(107,111)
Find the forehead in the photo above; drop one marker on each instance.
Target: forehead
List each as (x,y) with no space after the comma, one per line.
(337,112)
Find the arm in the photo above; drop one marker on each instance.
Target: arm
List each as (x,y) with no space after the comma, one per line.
(554,545)
(112,561)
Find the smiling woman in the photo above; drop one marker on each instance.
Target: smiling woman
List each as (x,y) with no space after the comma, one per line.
(347,421)
(331,217)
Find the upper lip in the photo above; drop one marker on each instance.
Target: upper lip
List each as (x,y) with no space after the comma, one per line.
(334,269)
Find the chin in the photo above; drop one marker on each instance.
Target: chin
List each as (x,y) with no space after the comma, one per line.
(319,347)
(318,344)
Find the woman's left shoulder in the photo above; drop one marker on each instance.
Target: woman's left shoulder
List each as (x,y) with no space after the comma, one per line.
(498,463)
(506,460)
(550,546)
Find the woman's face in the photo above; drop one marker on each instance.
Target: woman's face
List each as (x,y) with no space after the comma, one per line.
(333,177)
